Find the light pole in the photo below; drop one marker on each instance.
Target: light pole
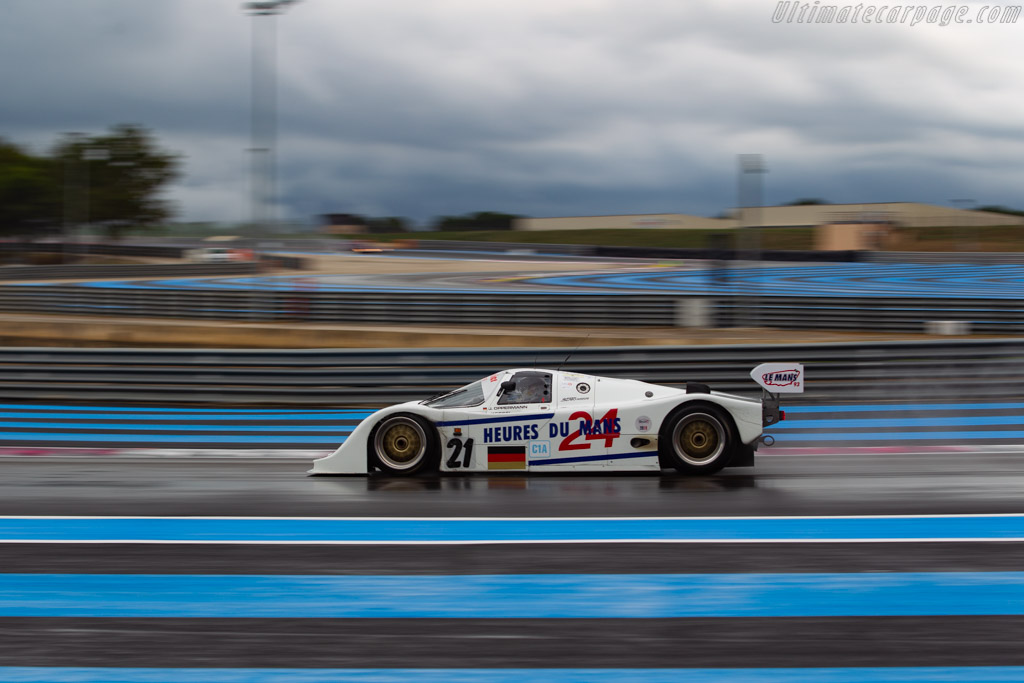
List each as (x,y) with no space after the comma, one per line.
(264,109)
(71,171)
(78,187)
(90,154)
(963,224)
(751,170)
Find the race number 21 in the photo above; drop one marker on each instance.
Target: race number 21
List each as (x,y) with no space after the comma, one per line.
(462,454)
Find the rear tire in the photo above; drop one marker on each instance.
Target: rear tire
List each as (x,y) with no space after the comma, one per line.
(697,439)
(403,445)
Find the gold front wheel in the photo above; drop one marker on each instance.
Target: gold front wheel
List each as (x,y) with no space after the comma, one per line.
(401,444)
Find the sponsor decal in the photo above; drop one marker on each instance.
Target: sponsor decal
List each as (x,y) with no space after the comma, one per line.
(506,457)
(583,388)
(570,399)
(540,450)
(784,378)
(780,378)
(569,382)
(494,378)
(511,433)
(643,424)
(608,425)
(581,429)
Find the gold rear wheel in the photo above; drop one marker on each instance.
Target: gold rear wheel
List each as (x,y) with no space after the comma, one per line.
(698,441)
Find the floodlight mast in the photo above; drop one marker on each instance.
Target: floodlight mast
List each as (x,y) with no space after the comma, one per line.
(264,110)
(268,6)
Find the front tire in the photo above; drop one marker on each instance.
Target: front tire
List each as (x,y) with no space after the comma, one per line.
(403,445)
(697,439)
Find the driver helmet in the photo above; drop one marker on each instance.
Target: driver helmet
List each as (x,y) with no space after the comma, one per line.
(532,390)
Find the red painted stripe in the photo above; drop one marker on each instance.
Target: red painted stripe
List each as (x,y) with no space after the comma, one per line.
(507,457)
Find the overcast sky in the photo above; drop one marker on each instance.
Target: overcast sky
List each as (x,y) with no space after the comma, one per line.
(420,108)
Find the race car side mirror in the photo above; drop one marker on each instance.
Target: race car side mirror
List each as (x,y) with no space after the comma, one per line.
(508,386)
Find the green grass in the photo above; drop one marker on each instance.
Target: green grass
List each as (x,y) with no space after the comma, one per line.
(990,238)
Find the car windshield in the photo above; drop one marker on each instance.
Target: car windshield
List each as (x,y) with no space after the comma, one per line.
(469,395)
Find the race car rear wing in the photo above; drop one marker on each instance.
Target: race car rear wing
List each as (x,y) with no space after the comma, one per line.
(775,379)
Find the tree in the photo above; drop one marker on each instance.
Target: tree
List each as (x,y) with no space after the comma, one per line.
(387,224)
(1000,209)
(29,192)
(807,201)
(482,220)
(119,177)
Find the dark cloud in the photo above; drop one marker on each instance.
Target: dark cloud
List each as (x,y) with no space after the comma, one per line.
(427,107)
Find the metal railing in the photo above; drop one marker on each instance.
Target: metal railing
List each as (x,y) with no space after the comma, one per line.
(981,316)
(499,310)
(130,270)
(83,271)
(863,372)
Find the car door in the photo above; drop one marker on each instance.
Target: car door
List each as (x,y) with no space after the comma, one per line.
(514,435)
(577,434)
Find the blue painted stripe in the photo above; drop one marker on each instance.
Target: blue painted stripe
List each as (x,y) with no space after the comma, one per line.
(491,420)
(844,280)
(901,436)
(594,458)
(22,409)
(832,424)
(901,407)
(455,530)
(327,430)
(44,407)
(34,437)
(159,418)
(954,281)
(965,674)
(874,422)
(513,596)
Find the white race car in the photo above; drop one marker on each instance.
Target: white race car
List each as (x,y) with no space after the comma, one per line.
(556,421)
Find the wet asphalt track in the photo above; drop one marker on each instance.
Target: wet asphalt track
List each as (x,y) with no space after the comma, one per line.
(962,482)
(763,605)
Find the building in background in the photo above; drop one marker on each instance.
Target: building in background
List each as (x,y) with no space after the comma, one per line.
(898,214)
(837,226)
(667,221)
(901,214)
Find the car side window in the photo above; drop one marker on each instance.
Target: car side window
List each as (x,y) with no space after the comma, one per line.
(527,387)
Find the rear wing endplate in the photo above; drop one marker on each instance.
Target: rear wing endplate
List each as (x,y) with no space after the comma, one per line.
(775,379)
(780,378)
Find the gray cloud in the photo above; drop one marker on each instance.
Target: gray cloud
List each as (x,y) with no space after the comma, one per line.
(424,107)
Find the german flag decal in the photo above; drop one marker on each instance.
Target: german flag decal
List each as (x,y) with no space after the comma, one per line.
(506,457)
